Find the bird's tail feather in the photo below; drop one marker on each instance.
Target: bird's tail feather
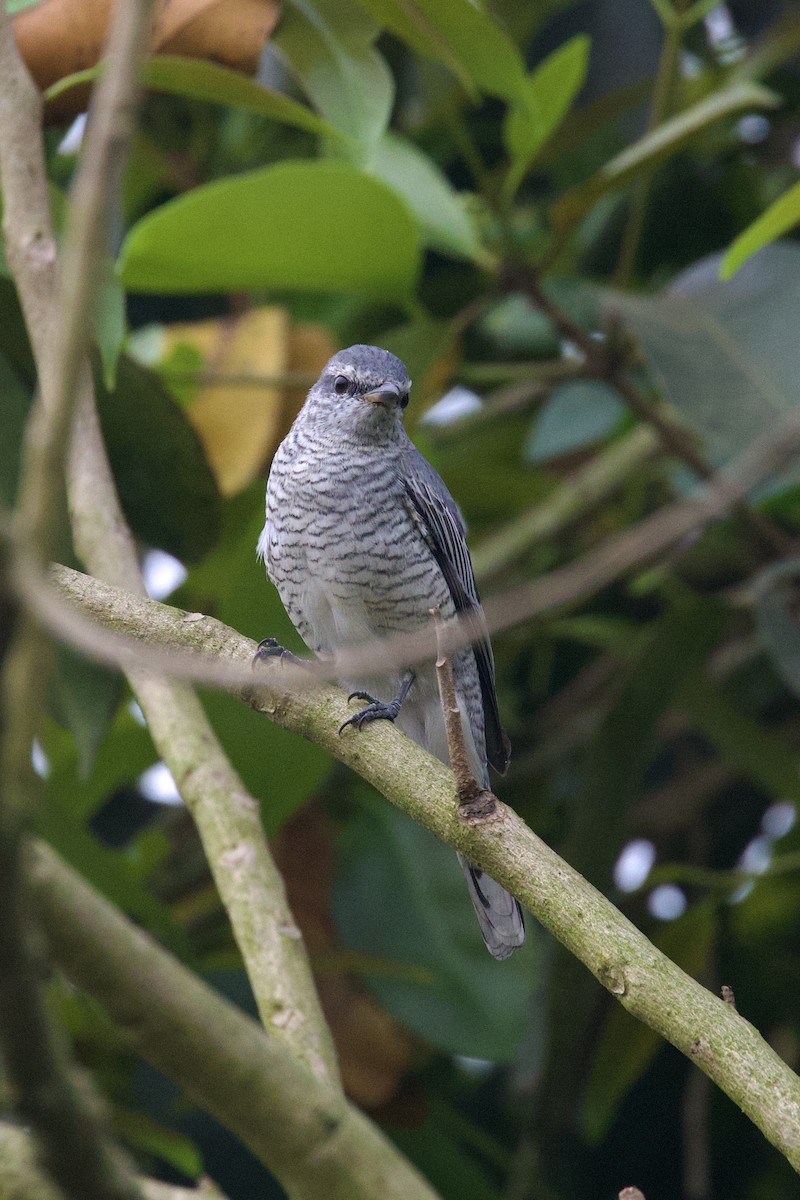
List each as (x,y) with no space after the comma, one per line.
(499,914)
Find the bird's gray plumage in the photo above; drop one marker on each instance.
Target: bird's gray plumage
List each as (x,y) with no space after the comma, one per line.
(362,539)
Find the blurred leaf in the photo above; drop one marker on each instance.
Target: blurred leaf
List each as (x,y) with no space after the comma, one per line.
(198,80)
(576,415)
(85,697)
(656,147)
(329,44)
(15,399)
(243,411)
(740,740)
(726,354)
(627,1046)
(408,22)
(166,487)
(779,218)
(541,106)
(303,226)
(623,746)
(444,219)
(448,1166)
(514,328)
(776,621)
(389,864)
(150,1137)
(110,325)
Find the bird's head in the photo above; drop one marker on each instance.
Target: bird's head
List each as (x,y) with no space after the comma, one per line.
(361,391)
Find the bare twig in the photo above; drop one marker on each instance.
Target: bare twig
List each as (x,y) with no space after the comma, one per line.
(470,793)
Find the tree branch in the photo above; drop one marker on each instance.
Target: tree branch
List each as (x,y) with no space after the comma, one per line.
(709,1032)
(227,818)
(21,1179)
(301,1127)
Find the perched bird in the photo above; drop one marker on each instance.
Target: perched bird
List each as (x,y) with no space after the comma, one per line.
(362,540)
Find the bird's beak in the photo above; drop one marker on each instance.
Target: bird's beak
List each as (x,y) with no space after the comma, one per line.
(387,395)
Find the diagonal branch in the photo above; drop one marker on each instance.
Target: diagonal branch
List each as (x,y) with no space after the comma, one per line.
(709,1032)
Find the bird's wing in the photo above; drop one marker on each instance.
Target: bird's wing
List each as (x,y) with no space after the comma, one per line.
(445,532)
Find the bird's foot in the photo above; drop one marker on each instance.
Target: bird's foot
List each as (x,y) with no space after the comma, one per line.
(271,648)
(376,710)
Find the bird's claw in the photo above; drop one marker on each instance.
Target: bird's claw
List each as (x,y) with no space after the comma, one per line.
(270,647)
(376,710)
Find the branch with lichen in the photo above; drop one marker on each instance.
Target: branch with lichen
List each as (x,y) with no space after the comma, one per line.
(319,1146)
(651,987)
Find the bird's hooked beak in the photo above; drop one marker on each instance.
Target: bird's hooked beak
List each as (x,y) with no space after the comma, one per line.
(388,394)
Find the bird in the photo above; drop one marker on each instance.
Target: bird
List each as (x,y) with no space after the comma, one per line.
(362,539)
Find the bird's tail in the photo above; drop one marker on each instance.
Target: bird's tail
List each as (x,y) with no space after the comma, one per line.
(499,914)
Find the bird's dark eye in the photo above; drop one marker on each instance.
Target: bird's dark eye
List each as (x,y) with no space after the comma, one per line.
(341,385)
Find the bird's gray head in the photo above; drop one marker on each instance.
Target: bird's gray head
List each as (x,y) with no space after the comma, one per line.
(362,391)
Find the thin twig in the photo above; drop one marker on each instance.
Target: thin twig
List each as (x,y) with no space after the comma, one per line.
(602,360)
(468,790)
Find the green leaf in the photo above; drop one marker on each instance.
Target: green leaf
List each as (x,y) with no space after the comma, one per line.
(542,105)
(330,47)
(459,34)
(298,226)
(740,740)
(658,146)
(110,324)
(779,218)
(726,355)
(84,699)
(623,746)
(166,487)
(776,623)
(150,1137)
(576,415)
(627,1046)
(15,399)
(200,80)
(384,855)
(443,217)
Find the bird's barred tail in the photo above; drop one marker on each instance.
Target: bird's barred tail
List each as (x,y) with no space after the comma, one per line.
(499,914)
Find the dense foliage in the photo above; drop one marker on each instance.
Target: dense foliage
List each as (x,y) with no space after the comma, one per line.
(413,175)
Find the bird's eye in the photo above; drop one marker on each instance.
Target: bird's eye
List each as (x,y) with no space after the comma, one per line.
(341,385)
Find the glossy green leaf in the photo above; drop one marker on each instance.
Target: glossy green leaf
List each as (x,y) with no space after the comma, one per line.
(465,1008)
(627,1046)
(659,146)
(201,80)
(726,355)
(444,219)
(576,415)
(330,46)
(779,218)
(542,105)
(299,226)
(167,489)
